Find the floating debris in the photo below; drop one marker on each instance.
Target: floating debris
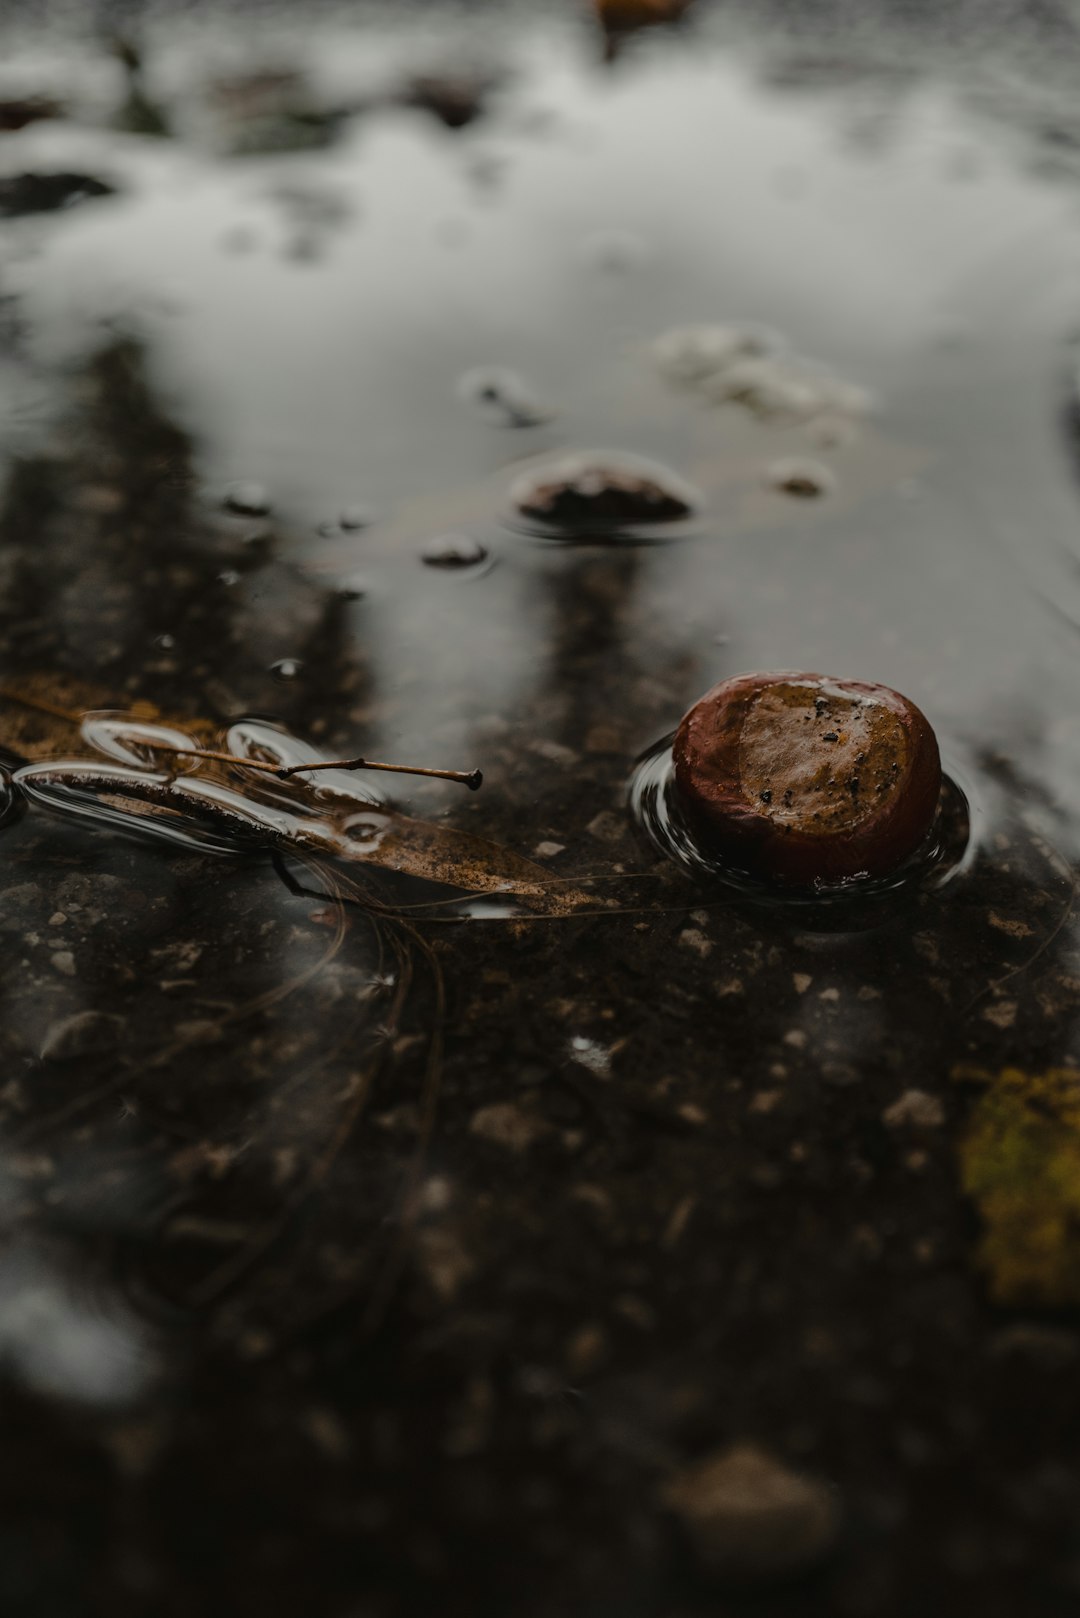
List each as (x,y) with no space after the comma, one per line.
(18,112)
(618,17)
(45,193)
(806,479)
(694,353)
(454,551)
(257,786)
(503,397)
(745,365)
(601,493)
(274,110)
(247,500)
(353,518)
(354,588)
(454,99)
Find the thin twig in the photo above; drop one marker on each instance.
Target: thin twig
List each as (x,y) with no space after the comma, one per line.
(473,779)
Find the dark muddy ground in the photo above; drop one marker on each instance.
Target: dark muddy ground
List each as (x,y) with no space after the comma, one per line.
(495,1218)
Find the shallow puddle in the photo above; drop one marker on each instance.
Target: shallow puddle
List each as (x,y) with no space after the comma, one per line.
(409,1204)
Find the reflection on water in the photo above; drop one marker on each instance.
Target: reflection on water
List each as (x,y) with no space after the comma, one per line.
(59,1342)
(465,1234)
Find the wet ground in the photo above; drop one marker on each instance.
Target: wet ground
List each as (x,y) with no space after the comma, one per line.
(417,1200)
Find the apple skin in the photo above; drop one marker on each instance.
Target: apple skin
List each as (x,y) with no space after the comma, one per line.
(804,779)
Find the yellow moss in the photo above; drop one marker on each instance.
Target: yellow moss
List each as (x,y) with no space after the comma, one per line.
(1020,1163)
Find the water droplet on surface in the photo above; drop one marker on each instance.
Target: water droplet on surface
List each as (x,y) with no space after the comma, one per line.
(596,493)
(502,397)
(453,551)
(287,668)
(806,479)
(247,500)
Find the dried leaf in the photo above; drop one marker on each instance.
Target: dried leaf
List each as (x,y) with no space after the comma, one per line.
(129,769)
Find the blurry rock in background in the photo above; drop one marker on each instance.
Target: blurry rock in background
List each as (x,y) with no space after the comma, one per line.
(620,17)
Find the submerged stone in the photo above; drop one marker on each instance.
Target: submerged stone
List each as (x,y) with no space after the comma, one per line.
(20,111)
(807,480)
(596,493)
(247,500)
(44,193)
(455,99)
(453,551)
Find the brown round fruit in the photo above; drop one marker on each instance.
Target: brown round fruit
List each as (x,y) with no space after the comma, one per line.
(806,779)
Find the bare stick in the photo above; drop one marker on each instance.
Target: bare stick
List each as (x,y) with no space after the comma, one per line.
(219,758)
(473,779)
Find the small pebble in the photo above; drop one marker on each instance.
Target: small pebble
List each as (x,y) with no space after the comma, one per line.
(750,1517)
(503,397)
(247,500)
(916,1109)
(354,518)
(592,494)
(806,479)
(453,550)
